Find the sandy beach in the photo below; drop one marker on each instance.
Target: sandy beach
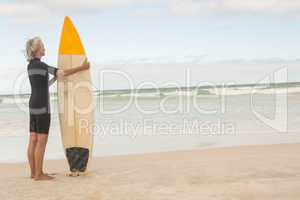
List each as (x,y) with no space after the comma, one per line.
(245,172)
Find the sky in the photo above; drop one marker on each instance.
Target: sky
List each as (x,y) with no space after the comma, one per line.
(157,41)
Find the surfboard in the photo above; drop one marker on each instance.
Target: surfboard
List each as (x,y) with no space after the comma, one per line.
(75,101)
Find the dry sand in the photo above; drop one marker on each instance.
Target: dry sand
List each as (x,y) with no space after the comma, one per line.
(247,172)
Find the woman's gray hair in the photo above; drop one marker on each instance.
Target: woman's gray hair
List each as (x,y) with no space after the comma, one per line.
(32,45)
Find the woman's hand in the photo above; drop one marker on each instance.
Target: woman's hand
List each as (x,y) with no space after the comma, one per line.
(85,65)
(67,72)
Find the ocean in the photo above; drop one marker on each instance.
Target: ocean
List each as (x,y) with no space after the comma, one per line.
(167,119)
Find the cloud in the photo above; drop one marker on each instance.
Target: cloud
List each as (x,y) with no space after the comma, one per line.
(35,11)
(30,11)
(192,7)
(21,7)
(29,8)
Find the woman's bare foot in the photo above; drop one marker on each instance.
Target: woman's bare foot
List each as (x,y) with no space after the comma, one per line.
(43,177)
(49,174)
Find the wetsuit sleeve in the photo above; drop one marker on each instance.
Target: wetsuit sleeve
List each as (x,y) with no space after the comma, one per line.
(51,70)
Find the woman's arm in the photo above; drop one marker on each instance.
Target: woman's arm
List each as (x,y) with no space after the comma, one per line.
(51,81)
(85,65)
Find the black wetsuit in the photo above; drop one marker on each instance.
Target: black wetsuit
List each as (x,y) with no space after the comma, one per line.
(39,103)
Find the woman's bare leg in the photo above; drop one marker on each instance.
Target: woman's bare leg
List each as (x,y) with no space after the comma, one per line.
(39,157)
(30,152)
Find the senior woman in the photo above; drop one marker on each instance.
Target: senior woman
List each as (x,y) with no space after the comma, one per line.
(39,105)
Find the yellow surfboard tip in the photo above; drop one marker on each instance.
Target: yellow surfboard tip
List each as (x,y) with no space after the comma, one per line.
(67,18)
(70,43)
